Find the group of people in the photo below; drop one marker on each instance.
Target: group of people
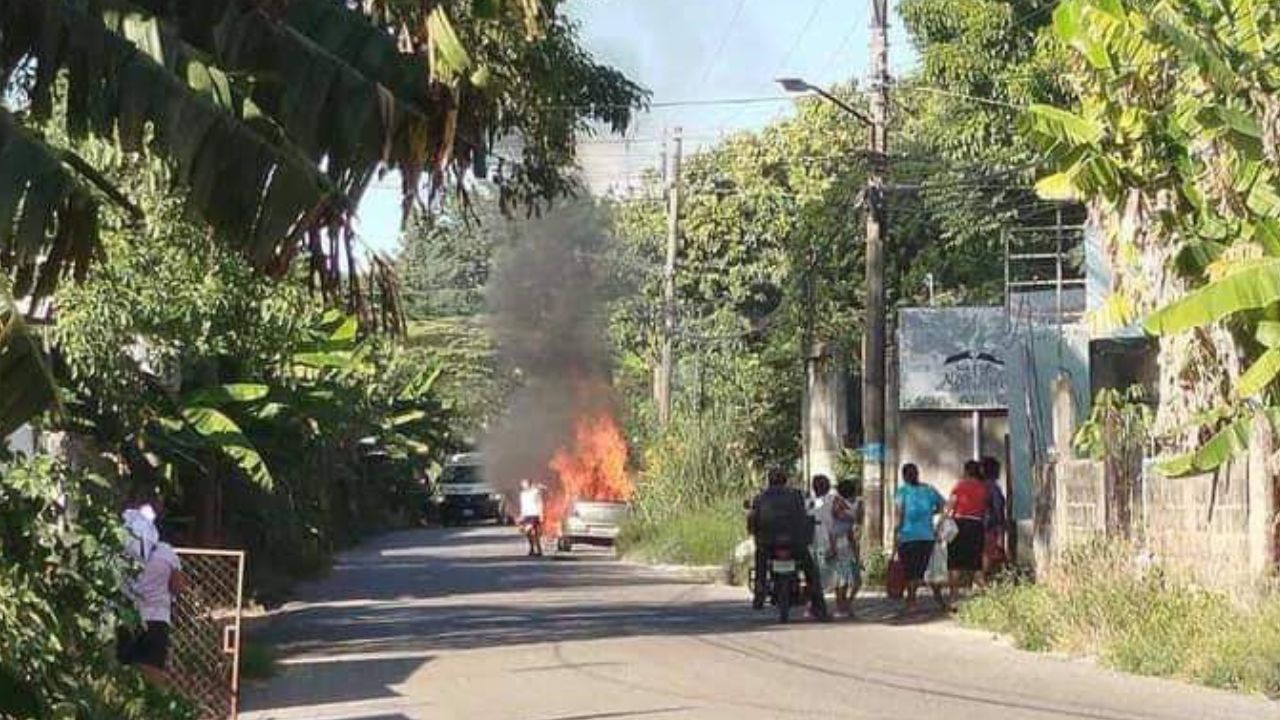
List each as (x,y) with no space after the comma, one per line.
(822,532)
(974,544)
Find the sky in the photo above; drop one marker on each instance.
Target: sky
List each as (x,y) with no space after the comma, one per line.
(696,50)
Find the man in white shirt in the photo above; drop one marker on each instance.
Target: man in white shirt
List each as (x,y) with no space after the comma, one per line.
(152,592)
(531,516)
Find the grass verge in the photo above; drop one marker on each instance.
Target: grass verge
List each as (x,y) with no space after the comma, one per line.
(1138,620)
(701,537)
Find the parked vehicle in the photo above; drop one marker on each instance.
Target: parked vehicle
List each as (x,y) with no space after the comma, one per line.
(592,522)
(463,494)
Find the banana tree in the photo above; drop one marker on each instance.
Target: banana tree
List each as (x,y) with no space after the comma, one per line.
(276,115)
(1176,139)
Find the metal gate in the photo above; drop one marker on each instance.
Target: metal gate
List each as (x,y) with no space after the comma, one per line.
(204,652)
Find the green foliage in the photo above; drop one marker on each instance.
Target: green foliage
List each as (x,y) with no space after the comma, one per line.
(445,260)
(704,536)
(1119,425)
(979,61)
(29,385)
(876,571)
(1174,140)
(445,265)
(1139,621)
(61,579)
(697,462)
(35,188)
(689,495)
(226,389)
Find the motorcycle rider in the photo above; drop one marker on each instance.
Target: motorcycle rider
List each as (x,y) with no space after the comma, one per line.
(779,517)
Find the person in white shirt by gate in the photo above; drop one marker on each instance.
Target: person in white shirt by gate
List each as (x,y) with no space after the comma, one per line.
(152,592)
(531,515)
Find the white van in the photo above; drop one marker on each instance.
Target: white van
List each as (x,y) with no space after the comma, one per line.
(463,494)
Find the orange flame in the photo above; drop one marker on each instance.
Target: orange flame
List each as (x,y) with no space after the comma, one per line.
(594,468)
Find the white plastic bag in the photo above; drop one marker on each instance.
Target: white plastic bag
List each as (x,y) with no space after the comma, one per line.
(936,573)
(947,530)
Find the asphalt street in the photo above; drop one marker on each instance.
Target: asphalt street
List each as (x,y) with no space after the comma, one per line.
(458,624)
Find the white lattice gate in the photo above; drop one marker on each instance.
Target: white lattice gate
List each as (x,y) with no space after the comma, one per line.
(204,652)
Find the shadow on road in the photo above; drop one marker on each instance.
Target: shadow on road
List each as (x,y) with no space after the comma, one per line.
(389,607)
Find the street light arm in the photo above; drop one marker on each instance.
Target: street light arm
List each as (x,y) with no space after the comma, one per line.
(843,106)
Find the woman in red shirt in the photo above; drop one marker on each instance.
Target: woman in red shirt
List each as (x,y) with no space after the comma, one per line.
(968,505)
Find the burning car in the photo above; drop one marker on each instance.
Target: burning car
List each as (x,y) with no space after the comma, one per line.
(592,488)
(592,522)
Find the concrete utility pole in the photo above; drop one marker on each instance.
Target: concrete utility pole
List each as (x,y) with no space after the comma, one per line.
(873,342)
(666,368)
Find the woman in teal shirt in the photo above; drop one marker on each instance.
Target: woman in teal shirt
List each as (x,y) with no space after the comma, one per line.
(917,504)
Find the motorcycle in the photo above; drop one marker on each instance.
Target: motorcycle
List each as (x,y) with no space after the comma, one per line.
(784,581)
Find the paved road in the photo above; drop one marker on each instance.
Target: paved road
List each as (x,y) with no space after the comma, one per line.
(458,625)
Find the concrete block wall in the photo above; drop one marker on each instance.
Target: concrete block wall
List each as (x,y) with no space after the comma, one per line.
(1201,527)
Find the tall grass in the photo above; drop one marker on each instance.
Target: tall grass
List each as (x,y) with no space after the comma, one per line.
(1138,619)
(688,506)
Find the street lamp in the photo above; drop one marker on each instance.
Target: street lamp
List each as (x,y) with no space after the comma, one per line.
(874,345)
(796,85)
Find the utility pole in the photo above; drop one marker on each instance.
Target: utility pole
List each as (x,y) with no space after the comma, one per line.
(873,342)
(666,368)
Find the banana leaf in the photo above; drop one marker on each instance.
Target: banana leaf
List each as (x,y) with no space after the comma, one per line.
(1259,375)
(229,394)
(223,434)
(48,221)
(234,173)
(1255,287)
(1230,441)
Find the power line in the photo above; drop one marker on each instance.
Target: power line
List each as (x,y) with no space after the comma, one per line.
(834,57)
(724,39)
(804,30)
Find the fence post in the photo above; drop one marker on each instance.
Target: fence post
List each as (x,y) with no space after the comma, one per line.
(1261,499)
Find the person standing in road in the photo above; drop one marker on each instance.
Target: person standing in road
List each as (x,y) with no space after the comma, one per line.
(968,505)
(531,515)
(916,505)
(847,514)
(778,517)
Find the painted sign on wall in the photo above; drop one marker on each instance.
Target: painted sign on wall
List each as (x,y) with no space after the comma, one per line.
(953,358)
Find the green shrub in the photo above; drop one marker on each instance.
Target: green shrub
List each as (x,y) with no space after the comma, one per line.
(61,579)
(876,571)
(689,495)
(697,463)
(705,536)
(1137,620)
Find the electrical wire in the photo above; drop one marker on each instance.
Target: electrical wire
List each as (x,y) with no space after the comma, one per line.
(724,39)
(834,57)
(804,31)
